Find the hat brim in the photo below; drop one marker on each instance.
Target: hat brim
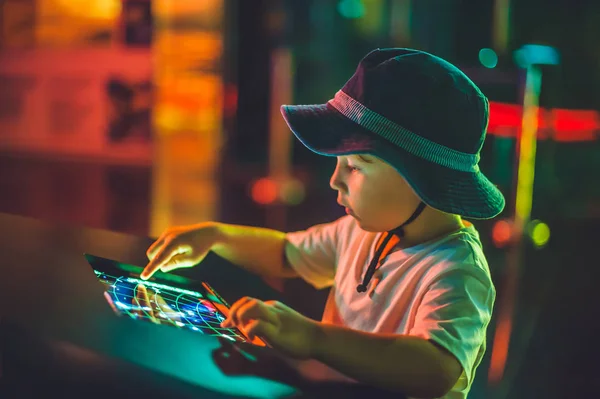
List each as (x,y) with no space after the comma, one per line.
(325,131)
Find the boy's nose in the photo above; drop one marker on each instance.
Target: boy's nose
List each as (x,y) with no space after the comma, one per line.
(335,182)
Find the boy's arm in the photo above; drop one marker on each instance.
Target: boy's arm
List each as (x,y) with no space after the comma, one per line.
(445,340)
(258,250)
(272,253)
(412,365)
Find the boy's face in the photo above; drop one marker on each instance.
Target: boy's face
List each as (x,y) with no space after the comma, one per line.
(373,192)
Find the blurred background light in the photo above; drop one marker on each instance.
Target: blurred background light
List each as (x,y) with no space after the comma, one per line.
(536,54)
(502,233)
(264,191)
(292,192)
(351,9)
(539,233)
(488,58)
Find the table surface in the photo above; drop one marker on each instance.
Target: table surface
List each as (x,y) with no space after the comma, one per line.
(57,329)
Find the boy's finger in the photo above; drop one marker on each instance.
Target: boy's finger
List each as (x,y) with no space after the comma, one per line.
(232,317)
(178,261)
(141,295)
(155,247)
(168,250)
(256,310)
(262,329)
(142,300)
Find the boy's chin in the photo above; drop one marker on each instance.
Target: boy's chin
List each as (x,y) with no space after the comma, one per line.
(370,227)
(366,227)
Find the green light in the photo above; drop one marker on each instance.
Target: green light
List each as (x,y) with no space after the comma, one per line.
(292,192)
(540,233)
(351,8)
(488,58)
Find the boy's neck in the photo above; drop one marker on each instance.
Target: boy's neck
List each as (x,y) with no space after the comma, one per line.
(431,224)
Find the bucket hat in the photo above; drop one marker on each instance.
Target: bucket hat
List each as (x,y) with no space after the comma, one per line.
(417,112)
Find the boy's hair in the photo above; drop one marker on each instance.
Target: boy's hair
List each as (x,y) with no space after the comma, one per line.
(418,113)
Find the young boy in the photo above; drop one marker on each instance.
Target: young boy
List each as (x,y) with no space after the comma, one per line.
(411,294)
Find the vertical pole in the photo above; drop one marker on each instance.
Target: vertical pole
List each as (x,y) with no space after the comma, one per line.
(526,152)
(501,32)
(400,18)
(280,138)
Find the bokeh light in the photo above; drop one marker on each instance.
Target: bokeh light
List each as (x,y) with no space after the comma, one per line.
(502,233)
(539,233)
(351,8)
(488,58)
(264,191)
(292,192)
(98,9)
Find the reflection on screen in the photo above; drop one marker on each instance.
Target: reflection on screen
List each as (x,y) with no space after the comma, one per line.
(163,304)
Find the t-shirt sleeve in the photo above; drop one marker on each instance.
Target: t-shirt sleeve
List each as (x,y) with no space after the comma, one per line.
(313,252)
(455,312)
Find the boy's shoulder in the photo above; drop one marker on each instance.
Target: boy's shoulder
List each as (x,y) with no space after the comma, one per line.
(459,249)
(459,253)
(458,245)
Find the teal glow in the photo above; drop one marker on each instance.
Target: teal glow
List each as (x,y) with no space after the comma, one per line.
(531,54)
(351,8)
(488,58)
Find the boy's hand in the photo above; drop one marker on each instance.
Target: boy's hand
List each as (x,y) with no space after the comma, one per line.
(180,247)
(282,327)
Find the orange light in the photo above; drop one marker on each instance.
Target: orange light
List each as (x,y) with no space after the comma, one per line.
(500,350)
(501,233)
(264,191)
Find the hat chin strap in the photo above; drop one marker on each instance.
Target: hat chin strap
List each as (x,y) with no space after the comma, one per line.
(398,231)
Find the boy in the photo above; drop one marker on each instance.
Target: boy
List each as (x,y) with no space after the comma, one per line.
(411,294)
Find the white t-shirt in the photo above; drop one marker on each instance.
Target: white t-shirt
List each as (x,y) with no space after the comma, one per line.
(439,290)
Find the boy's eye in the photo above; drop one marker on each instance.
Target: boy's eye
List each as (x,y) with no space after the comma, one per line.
(351,168)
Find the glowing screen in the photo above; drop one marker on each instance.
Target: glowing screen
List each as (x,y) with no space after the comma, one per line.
(200,310)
